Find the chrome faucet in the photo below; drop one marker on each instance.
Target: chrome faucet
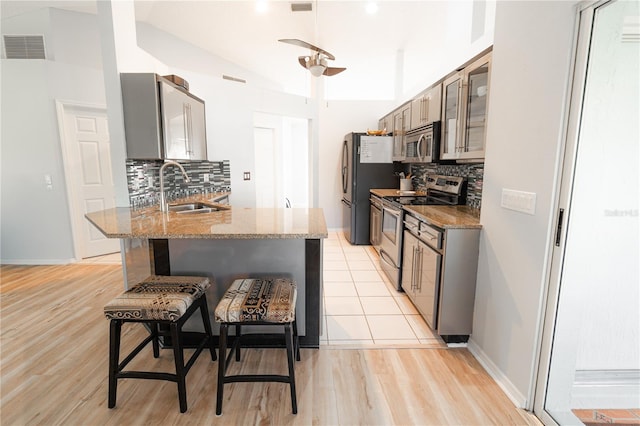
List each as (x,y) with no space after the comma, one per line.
(163,200)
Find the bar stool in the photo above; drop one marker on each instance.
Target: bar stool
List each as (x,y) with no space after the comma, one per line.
(166,301)
(257,301)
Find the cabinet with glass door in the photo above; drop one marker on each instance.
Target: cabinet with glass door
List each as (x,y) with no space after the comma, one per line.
(464,111)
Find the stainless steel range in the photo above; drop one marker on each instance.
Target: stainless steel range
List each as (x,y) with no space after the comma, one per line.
(441,190)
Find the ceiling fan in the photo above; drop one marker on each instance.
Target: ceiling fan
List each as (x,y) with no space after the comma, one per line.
(317,63)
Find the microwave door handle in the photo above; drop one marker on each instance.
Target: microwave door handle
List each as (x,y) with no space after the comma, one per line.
(419,147)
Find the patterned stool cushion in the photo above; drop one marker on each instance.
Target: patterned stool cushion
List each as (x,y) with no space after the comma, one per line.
(156,298)
(252,299)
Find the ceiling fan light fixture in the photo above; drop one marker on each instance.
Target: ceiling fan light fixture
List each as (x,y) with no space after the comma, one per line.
(317,70)
(317,65)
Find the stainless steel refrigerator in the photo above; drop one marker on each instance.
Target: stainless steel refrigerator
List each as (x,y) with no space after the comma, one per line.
(366,164)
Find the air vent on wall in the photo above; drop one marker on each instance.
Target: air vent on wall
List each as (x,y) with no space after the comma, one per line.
(24,47)
(301,7)
(631,29)
(236,79)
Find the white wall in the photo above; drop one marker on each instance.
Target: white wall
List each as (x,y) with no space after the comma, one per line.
(35,221)
(531,56)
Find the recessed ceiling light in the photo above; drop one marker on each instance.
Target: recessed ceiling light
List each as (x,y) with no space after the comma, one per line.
(261,6)
(372,7)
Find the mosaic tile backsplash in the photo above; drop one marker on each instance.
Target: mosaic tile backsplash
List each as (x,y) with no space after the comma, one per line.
(473,172)
(143,179)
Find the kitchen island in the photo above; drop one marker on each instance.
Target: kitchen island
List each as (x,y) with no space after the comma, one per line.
(225,245)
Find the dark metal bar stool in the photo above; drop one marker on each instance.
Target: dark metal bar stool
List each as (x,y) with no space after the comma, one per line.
(261,301)
(158,301)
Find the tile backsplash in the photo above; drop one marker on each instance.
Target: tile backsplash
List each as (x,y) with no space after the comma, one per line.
(143,180)
(473,172)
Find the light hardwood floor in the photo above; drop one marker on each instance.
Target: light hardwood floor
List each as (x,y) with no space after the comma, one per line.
(53,364)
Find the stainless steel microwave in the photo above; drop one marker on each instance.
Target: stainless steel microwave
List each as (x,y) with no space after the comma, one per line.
(423,144)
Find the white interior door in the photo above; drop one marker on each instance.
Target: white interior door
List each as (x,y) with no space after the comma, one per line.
(281,147)
(87,160)
(266,172)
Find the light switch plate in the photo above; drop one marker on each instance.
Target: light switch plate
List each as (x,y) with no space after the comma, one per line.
(519,201)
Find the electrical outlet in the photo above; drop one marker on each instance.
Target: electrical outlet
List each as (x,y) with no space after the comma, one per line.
(247,175)
(520,201)
(205,177)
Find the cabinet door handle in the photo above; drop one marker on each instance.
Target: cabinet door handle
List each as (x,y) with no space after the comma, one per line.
(420,260)
(416,267)
(185,129)
(426,110)
(190,130)
(461,116)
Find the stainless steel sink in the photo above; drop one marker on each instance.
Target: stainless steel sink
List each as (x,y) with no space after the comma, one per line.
(195,208)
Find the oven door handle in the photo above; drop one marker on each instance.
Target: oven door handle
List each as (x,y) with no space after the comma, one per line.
(392,212)
(387,259)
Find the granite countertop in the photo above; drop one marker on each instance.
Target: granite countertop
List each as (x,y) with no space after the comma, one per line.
(448,217)
(442,216)
(233,223)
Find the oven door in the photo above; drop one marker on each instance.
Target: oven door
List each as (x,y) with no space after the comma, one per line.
(391,232)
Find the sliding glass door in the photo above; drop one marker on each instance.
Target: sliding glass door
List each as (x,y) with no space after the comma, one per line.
(591,346)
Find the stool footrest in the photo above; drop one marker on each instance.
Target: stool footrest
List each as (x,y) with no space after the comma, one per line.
(257,378)
(147,375)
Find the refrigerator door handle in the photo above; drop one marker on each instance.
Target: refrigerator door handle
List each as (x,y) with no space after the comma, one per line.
(345,165)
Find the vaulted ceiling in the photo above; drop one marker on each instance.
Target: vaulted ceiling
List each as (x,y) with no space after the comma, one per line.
(394,45)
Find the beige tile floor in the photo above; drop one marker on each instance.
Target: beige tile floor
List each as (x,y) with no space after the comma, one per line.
(361,307)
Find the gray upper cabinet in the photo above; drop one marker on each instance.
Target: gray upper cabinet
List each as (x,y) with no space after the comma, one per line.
(425,108)
(464,111)
(162,120)
(386,123)
(401,121)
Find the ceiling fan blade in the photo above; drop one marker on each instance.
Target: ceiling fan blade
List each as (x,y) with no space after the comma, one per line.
(304,44)
(303,61)
(333,71)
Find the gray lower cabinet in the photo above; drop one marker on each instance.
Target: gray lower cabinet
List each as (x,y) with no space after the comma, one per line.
(439,268)
(420,276)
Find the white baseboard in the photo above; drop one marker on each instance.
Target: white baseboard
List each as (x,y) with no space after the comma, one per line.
(496,374)
(31,262)
(606,389)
